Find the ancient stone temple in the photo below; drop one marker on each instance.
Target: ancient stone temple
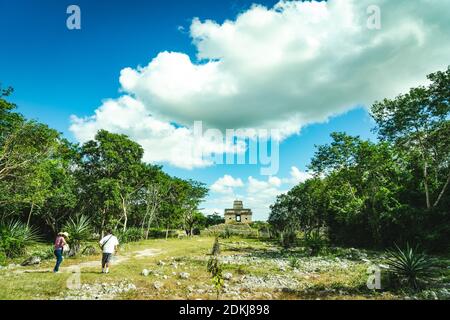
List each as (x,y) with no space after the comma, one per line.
(238,214)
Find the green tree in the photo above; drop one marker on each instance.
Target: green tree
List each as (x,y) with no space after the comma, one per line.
(27,150)
(192,195)
(111,167)
(418,124)
(155,191)
(214,219)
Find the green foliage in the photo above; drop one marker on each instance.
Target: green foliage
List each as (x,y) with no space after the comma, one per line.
(216,247)
(213,220)
(15,236)
(418,124)
(90,250)
(293,262)
(410,265)
(49,183)
(80,230)
(315,241)
(132,234)
(45,254)
(288,239)
(2,258)
(370,194)
(227,233)
(215,269)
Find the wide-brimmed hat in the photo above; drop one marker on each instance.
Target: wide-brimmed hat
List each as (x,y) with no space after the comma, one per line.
(64,234)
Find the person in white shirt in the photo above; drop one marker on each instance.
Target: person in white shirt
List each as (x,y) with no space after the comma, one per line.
(109,245)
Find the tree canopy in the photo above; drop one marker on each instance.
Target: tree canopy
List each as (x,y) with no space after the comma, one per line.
(375,194)
(49,182)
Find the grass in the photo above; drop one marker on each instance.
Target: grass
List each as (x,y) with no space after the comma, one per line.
(248,260)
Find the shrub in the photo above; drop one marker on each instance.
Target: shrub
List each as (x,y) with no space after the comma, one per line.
(315,242)
(45,254)
(293,262)
(158,233)
(90,251)
(216,247)
(215,269)
(79,230)
(2,258)
(409,265)
(226,234)
(288,239)
(15,236)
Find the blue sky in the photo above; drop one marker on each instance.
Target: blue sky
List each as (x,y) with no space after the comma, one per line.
(58,73)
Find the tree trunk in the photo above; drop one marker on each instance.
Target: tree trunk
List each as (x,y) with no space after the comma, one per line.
(125,215)
(29,214)
(425,182)
(143,223)
(442,191)
(149,224)
(167,232)
(102,228)
(423,153)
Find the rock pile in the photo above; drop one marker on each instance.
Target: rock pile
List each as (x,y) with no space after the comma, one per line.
(99,291)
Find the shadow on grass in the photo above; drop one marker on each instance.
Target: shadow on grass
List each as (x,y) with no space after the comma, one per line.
(327,292)
(265,253)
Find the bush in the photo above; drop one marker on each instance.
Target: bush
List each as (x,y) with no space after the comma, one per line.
(215,269)
(157,233)
(315,242)
(15,236)
(226,234)
(131,235)
(90,251)
(79,231)
(45,254)
(216,247)
(2,258)
(288,239)
(293,262)
(409,265)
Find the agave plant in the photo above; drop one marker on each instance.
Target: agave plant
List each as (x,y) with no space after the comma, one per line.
(79,230)
(15,236)
(410,265)
(315,242)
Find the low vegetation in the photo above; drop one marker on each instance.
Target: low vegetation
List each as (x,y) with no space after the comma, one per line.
(249,269)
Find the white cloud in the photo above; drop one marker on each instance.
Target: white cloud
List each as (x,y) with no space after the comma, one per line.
(298,176)
(162,141)
(299,62)
(226,184)
(282,67)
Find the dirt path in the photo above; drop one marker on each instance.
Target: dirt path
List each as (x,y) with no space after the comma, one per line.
(97,263)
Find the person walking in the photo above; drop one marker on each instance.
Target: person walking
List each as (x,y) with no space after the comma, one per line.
(60,242)
(109,245)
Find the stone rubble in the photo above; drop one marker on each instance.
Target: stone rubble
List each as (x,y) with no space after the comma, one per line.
(99,291)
